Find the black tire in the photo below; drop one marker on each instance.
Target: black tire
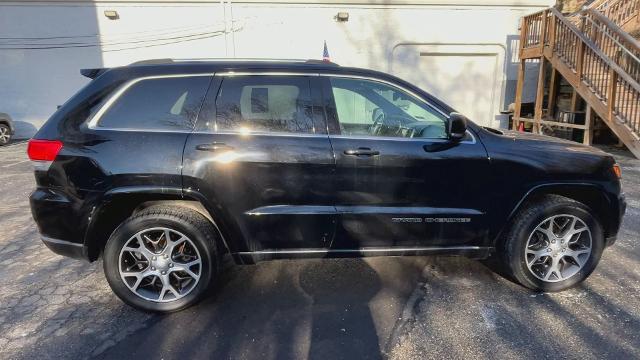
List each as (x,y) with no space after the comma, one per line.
(183,220)
(527,219)
(4,129)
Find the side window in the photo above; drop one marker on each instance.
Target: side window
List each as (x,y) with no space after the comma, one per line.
(372,108)
(170,103)
(259,103)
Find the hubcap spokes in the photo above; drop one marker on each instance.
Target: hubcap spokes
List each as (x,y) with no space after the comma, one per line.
(160,264)
(558,248)
(4,135)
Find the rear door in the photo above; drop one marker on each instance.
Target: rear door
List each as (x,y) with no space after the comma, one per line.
(399,182)
(261,157)
(138,133)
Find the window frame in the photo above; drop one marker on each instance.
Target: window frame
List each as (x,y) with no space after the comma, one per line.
(315,92)
(332,112)
(321,97)
(94,121)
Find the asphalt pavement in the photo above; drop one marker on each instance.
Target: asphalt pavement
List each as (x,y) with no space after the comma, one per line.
(397,308)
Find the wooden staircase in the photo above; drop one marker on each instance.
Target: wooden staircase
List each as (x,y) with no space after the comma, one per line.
(596,57)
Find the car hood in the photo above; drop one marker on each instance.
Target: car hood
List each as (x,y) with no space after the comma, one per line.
(550,143)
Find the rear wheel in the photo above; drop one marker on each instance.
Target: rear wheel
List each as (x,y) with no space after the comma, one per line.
(553,244)
(162,258)
(5,134)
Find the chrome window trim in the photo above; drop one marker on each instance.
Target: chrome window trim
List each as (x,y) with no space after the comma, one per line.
(355,137)
(261,133)
(392,138)
(93,122)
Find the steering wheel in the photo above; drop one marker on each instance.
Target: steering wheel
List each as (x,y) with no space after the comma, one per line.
(393,124)
(378,115)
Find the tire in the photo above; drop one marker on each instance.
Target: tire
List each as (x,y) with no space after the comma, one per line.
(5,134)
(530,253)
(163,283)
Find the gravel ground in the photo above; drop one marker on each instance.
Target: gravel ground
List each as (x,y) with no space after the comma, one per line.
(397,308)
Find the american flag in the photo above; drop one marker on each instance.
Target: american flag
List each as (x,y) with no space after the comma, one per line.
(325,53)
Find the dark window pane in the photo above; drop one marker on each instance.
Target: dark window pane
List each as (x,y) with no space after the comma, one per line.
(158,104)
(265,104)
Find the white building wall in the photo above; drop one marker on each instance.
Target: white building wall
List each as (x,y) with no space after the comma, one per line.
(462,51)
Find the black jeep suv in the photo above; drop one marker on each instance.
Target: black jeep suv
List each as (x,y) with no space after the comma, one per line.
(162,168)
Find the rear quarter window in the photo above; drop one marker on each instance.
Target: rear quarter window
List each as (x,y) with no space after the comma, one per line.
(170,103)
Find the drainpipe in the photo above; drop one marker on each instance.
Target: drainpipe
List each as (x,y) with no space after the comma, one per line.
(229,44)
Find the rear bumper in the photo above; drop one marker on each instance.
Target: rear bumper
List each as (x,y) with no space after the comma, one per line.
(66,248)
(61,221)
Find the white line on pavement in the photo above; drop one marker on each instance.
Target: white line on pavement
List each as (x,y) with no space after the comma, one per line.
(19,162)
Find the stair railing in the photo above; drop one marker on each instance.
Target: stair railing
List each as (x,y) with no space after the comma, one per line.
(620,11)
(616,44)
(550,33)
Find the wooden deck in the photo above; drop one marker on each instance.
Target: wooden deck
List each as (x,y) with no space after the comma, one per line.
(599,60)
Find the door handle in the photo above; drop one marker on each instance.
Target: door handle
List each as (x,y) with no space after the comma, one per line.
(362,152)
(216,146)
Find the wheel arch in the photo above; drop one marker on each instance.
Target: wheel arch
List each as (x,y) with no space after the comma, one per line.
(118,204)
(591,195)
(6,120)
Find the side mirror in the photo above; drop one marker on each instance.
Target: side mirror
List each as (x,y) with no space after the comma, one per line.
(457,126)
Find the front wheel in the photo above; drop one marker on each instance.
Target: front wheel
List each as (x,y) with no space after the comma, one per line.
(161,259)
(553,244)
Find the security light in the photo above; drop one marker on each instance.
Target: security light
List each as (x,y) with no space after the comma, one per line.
(342,16)
(111,14)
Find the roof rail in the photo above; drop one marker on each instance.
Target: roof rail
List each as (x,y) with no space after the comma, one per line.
(169,61)
(327,62)
(152,62)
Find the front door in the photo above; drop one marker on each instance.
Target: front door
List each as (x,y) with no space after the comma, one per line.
(262,157)
(399,182)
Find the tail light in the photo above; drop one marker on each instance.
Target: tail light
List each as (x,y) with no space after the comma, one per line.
(616,170)
(43,152)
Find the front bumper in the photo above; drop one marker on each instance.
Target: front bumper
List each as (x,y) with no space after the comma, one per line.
(622,208)
(65,248)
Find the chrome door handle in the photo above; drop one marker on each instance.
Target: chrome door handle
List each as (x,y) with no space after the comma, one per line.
(362,152)
(214,147)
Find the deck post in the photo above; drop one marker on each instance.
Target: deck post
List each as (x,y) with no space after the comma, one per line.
(554,84)
(589,120)
(537,115)
(575,100)
(519,87)
(543,30)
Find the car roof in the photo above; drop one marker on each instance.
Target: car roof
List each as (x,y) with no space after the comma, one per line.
(159,67)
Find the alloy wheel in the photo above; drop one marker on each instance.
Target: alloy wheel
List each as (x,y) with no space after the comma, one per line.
(558,248)
(4,135)
(160,264)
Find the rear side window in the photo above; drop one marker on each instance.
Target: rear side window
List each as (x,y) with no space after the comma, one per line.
(170,103)
(280,104)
